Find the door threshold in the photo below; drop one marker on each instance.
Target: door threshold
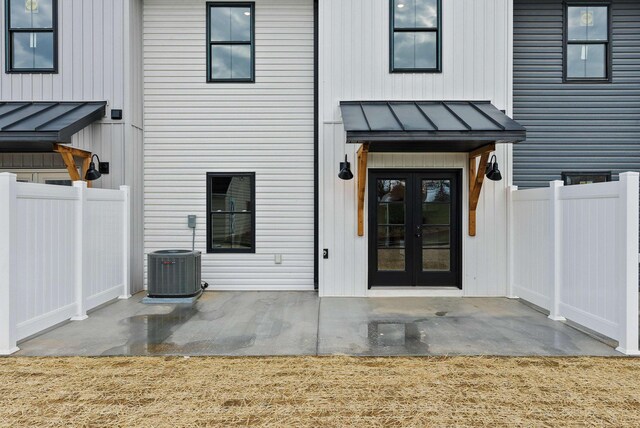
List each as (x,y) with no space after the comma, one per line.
(414,292)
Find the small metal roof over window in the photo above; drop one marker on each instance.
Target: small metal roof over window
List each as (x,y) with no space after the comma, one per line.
(36,126)
(455,126)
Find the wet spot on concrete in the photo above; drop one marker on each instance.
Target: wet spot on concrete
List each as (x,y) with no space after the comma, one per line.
(385,335)
(441,314)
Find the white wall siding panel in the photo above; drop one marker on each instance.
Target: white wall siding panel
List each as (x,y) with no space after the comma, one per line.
(354,65)
(134,137)
(193,127)
(90,57)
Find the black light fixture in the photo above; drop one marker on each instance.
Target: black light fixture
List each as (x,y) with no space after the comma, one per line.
(493,172)
(92,173)
(345,170)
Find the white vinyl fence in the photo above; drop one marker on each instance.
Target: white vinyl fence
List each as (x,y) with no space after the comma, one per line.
(63,251)
(574,252)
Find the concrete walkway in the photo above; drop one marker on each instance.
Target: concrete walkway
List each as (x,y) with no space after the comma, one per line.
(301,323)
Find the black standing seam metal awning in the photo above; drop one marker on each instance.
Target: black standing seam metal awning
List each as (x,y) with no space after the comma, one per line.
(428,126)
(36,126)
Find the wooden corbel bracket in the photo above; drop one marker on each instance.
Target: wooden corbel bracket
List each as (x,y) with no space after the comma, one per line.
(363,152)
(476,178)
(68,154)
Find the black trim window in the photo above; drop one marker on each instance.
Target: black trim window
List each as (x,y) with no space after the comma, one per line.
(31,36)
(587,50)
(231,215)
(415,42)
(230,42)
(582,177)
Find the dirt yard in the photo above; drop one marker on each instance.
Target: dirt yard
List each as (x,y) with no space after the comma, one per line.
(319,392)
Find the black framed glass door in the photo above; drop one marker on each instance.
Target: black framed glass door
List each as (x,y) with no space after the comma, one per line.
(414,228)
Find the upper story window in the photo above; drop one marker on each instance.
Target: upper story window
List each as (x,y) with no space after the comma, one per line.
(587,52)
(31,30)
(230,32)
(415,36)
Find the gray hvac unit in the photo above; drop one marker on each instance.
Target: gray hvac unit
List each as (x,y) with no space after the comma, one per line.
(174,273)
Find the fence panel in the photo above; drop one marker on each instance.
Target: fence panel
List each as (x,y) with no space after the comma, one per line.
(590,292)
(531,242)
(575,254)
(43,284)
(64,251)
(104,228)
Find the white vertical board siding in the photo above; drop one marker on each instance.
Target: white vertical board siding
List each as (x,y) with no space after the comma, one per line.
(354,65)
(90,68)
(266,127)
(532,277)
(90,57)
(134,136)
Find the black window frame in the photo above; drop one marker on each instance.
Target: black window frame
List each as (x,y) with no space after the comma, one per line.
(568,174)
(252,177)
(565,42)
(393,30)
(252,42)
(9,39)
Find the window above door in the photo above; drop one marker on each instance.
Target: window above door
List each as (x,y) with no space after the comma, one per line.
(415,36)
(230,42)
(31,43)
(587,42)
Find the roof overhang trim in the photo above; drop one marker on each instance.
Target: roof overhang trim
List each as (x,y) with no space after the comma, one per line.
(37,126)
(428,126)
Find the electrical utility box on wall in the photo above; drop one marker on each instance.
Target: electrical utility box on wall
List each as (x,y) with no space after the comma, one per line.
(174,273)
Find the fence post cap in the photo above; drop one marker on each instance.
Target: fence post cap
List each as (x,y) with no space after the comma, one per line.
(11,176)
(80,183)
(630,174)
(556,183)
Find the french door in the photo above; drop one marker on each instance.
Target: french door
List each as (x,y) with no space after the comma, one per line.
(414,228)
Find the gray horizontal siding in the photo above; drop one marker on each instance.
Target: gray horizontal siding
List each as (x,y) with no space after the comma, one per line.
(573,126)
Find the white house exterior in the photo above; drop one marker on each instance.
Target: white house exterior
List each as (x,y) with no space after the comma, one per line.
(193,127)
(98,59)
(241,113)
(354,65)
(281,130)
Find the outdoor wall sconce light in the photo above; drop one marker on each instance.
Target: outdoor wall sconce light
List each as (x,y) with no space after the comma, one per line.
(93,173)
(493,172)
(345,170)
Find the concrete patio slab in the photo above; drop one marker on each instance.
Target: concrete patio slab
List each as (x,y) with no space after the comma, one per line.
(301,323)
(446,326)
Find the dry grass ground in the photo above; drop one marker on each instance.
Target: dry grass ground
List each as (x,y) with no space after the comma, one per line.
(319,392)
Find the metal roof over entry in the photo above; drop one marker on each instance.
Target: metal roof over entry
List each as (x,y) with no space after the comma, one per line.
(428,126)
(37,126)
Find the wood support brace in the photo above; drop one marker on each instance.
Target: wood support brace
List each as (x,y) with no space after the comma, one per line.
(476,178)
(68,154)
(363,152)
